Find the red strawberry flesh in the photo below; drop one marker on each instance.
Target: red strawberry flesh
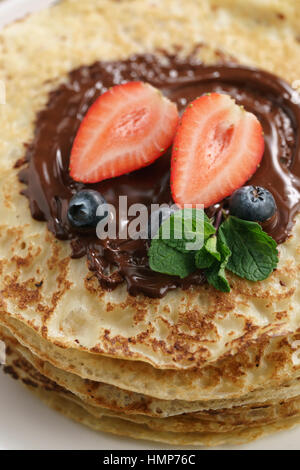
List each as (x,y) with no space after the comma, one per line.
(127,128)
(217,148)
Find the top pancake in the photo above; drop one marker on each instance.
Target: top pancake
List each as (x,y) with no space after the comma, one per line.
(40,285)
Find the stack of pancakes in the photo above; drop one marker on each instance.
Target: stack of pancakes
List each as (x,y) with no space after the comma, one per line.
(197,367)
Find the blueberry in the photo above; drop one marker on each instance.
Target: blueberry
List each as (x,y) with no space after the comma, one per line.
(157,218)
(83,209)
(252,203)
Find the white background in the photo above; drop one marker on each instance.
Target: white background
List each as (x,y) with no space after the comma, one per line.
(25,423)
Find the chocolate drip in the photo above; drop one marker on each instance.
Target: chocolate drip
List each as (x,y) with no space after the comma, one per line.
(49,187)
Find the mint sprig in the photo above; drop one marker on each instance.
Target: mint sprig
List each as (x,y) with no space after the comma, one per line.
(208,254)
(215,273)
(167,260)
(186,230)
(240,246)
(254,253)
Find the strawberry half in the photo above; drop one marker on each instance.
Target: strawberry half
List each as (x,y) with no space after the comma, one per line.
(127,128)
(217,148)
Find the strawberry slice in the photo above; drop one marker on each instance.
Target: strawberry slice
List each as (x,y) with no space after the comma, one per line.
(217,148)
(127,128)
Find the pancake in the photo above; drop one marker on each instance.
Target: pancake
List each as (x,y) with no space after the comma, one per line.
(213,434)
(194,350)
(185,329)
(272,363)
(100,399)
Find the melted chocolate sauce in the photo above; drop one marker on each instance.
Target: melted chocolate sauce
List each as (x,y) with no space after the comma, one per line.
(50,188)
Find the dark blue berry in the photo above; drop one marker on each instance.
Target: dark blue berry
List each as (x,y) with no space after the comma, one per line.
(82,212)
(157,218)
(252,203)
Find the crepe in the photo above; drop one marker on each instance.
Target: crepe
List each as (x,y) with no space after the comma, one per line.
(271,363)
(100,399)
(182,330)
(200,431)
(185,329)
(193,350)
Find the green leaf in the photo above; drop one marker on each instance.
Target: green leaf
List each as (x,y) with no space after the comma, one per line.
(208,254)
(186,228)
(254,253)
(165,259)
(215,274)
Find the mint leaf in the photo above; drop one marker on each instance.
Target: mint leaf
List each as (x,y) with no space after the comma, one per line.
(171,251)
(165,259)
(208,254)
(215,274)
(186,228)
(254,253)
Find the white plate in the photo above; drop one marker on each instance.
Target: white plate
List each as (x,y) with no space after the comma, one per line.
(25,423)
